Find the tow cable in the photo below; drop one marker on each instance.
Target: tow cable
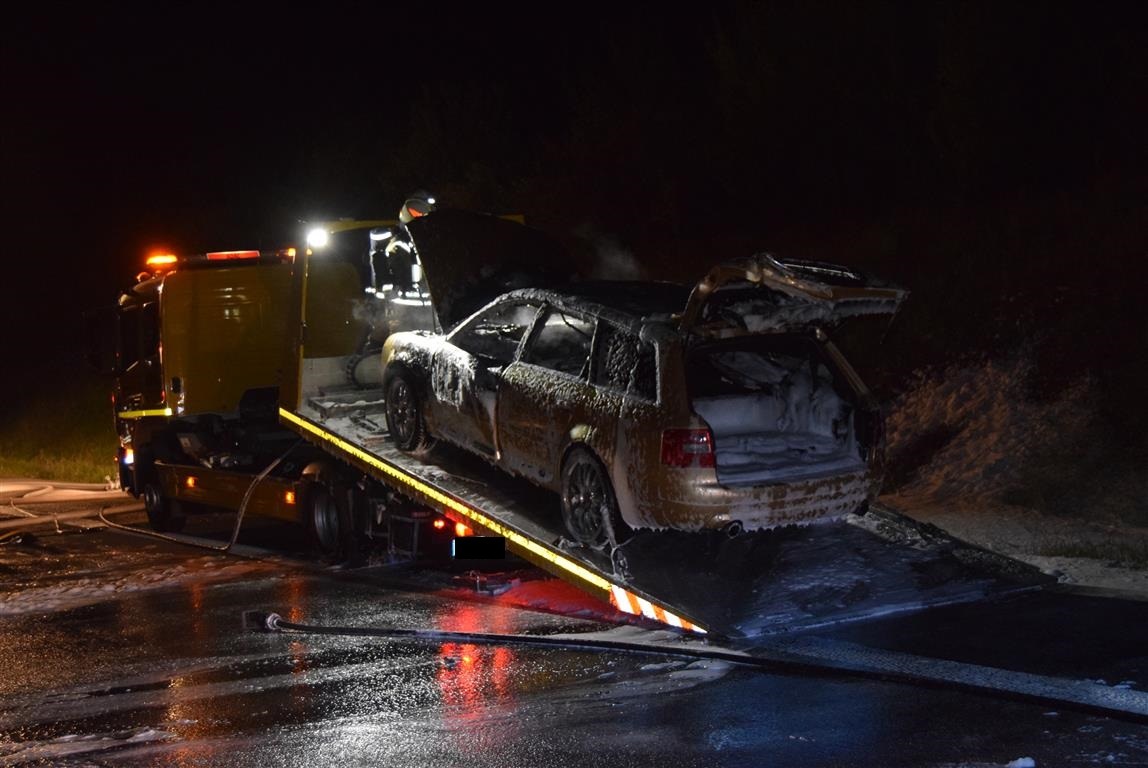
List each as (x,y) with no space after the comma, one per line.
(191,542)
(800,655)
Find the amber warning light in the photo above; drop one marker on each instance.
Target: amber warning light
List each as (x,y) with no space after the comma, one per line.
(161,261)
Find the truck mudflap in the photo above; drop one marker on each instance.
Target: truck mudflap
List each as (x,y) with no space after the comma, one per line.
(751,585)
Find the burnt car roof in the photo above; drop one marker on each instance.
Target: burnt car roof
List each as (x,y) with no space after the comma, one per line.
(625,302)
(804,296)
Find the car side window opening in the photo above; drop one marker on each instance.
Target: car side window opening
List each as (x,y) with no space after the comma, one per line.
(644,379)
(624,364)
(562,343)
(496,333)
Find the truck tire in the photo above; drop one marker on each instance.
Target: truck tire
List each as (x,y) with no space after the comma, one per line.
(325,521)
(405,420)
(164,515)
(331,523)
(589,507)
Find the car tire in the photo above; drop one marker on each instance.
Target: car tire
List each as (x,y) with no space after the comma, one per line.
(404,412)
(164,515)
(589,507)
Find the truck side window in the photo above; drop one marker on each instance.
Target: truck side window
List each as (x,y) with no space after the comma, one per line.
(129,342)
(562,343)
(149,329)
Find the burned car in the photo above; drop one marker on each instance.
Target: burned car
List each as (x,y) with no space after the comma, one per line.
(655,405)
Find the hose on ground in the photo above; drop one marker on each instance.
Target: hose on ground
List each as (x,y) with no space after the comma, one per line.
(1129,706)
(273,622)
(238,518)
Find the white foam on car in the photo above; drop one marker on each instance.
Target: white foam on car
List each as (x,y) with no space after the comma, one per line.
(783,433)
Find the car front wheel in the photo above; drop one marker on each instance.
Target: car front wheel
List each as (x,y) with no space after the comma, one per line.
(589,508)
(405,417)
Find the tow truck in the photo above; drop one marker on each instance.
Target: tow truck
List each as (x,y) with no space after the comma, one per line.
(242,384)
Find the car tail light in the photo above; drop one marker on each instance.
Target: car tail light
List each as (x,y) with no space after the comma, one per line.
(687,448)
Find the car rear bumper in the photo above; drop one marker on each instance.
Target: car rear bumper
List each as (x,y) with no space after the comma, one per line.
(760,507)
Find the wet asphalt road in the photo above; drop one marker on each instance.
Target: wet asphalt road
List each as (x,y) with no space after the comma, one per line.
(119,650)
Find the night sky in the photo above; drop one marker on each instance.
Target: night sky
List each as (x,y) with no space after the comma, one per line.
(989,156)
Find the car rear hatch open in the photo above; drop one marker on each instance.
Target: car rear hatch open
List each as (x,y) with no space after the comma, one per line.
(781,403)
(762,294)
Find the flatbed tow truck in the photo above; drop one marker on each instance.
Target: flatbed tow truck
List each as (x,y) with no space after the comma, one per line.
(254,410)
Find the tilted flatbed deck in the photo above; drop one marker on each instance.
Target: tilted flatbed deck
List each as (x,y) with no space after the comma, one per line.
(755,584)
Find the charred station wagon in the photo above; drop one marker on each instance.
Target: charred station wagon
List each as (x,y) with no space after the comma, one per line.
(655,405)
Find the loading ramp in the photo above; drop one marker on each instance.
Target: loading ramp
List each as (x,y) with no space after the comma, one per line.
(750,585)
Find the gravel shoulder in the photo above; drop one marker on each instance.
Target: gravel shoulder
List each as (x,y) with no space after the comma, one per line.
(1079,552)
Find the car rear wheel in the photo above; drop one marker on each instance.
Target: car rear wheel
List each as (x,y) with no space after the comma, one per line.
(589,508)
(405,416)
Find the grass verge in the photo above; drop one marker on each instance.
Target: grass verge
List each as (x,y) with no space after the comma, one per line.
(63,431)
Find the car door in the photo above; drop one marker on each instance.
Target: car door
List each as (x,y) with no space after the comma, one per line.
(625,375)
(546,394)
(466,372)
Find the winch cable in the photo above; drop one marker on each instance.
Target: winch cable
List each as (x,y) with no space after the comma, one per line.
(191,542)
(805,656)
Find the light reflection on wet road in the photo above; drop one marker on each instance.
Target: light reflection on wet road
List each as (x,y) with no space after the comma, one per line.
(167,676)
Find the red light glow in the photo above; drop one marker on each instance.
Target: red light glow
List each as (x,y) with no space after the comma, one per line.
(232,255)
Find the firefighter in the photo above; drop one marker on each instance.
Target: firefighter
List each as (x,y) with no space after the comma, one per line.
(392,252)
(392,259)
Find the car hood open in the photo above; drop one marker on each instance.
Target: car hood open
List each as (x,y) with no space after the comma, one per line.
(471,258)
(763,294)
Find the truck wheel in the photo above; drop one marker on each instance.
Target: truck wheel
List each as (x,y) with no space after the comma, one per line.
(405,416)
(325,521)
(589,508)
(163,514)
(332,523)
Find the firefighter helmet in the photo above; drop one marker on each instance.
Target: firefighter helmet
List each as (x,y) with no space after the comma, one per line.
(417,204)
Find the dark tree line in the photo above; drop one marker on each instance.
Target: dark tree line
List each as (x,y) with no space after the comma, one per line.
(987,155)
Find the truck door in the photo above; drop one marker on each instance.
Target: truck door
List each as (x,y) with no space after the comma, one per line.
(139,384)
